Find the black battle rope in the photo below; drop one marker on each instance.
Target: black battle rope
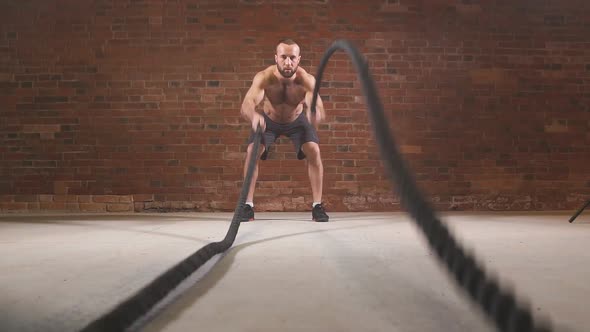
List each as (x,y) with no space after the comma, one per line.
(136,306)
(579,212)
(498,304)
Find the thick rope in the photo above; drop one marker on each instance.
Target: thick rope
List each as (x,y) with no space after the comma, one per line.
(579,212)
(136,306)
(499,305)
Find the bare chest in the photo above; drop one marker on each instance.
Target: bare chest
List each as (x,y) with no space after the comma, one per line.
(285,94)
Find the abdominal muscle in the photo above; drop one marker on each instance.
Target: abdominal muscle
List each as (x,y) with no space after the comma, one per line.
(282,113)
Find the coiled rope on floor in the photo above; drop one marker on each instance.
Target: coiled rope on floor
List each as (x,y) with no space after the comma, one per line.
(138,305)
(498,304)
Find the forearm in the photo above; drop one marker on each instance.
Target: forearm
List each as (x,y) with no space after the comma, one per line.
(319,105)
(321,111)
(248,109)
(319,108)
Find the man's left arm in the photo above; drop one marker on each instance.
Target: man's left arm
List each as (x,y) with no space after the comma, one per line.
(320,114)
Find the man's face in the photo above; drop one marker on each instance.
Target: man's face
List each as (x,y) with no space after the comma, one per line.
(287,59)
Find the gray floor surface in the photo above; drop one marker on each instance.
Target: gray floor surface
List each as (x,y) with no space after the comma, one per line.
(359,272)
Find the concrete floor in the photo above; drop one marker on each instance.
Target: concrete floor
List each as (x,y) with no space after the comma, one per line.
(360,272)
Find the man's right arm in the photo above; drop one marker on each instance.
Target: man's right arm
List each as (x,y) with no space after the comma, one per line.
(253,97)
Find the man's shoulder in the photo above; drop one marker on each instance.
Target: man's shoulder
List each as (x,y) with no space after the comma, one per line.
(265,75)
(303,73)
(306,79)
(266,72)
(262,78)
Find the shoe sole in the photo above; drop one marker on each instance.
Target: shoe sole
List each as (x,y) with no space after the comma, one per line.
(320,220)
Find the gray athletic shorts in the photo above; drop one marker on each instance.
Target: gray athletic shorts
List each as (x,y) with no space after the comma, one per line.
(300,131)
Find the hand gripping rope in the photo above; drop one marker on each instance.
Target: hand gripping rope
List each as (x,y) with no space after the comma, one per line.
(499,305)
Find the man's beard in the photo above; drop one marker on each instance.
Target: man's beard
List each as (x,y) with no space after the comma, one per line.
(287,75)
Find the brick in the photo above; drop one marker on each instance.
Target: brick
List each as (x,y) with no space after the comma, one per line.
(33,206)
(83,198)
(483,76)
(125,198)
(47,136)
(92,207)
(45,198)
(7,198)
(139,206)
(61,198)
(557,126)
(176,205)
(26,198)
(143,198)
(13,206)
(52,205)
(119,207)
(60,187)
(410,149)
(40,128)
(70,206)
(105,199)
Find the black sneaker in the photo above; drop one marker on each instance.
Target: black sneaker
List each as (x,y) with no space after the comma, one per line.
(246,214)
(319,214)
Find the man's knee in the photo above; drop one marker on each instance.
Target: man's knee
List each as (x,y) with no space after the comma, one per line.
(251,148)
(312,152)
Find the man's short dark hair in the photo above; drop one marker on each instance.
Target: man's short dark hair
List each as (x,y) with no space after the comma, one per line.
(287,41)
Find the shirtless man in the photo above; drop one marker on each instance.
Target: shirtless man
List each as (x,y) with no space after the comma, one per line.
(287,91)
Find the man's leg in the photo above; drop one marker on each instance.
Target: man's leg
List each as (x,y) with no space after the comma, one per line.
(250,197)
(247,211)
(306,142)
(315,169)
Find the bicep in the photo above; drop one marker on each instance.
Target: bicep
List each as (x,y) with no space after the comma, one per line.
(256,92)
(319,105)
(309,94)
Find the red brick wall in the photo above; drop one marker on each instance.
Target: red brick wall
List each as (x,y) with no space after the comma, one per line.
(110,105)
